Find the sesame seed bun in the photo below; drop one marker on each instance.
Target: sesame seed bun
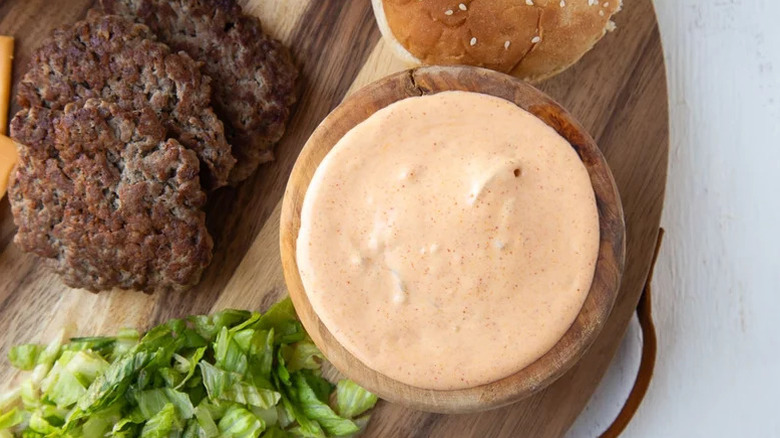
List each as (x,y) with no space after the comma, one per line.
(530,39)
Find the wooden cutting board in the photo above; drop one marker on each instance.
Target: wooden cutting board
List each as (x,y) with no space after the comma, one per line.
(618,92)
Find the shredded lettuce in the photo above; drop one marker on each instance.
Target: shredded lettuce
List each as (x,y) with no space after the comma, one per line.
(152,401)
(227,386)
(231,374)
(162,424)
(10,419)
(208,326)
(316,409)
(25,356)
(191,365)
(275,432)
(303,355)
(240,423)
(207,426)
(352,400)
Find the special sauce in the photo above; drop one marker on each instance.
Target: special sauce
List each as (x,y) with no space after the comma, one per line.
(449,240)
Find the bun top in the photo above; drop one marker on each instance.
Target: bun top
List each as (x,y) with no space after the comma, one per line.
(530,39)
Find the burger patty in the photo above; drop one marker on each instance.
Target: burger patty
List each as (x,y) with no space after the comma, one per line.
(253,74)
(116,60)
(108,199)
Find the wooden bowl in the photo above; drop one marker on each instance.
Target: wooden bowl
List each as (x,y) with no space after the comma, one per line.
(609,266)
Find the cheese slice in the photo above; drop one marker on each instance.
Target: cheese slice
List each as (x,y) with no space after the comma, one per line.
(6,61)
(8,154)
(8,159)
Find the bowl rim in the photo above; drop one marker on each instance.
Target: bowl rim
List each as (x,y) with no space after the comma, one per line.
(609,266)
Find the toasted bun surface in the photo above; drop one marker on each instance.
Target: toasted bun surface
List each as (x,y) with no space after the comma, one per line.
(531,41)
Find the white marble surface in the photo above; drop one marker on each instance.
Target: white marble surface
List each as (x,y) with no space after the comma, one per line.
(717,284)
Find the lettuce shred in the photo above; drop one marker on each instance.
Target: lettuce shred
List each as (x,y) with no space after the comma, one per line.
(231,374)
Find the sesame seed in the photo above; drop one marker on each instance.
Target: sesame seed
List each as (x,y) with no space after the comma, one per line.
(448,12)
(529,2)
(506,45)
(473,41)
(593,2)
(563,3)
(606,4)
(601,13)
(536,39)
(462,7)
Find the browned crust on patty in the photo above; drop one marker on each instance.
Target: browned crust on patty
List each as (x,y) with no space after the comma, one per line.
(111,202)
(116,60)
(253,74)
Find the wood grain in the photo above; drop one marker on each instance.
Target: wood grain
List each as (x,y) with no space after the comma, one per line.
(598,304)
(618,93)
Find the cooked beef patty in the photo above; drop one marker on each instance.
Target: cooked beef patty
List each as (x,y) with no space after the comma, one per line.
(112,202)
(253,73)
(117,60)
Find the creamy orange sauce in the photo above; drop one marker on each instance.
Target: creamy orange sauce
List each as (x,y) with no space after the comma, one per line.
(449,240)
